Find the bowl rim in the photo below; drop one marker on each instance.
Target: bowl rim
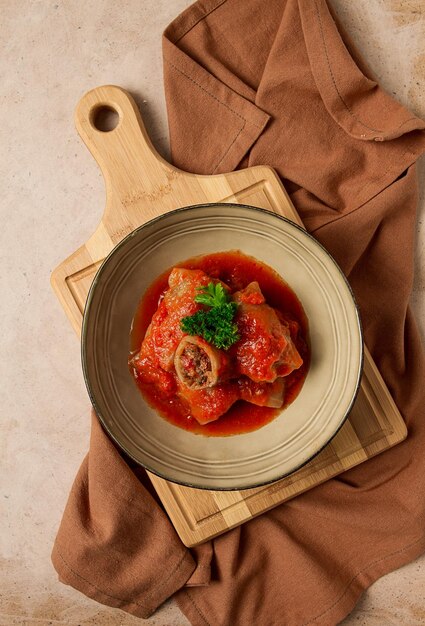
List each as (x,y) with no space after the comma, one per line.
(87,306)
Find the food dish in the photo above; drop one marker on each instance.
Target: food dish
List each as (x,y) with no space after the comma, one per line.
(295,435)
(220,344)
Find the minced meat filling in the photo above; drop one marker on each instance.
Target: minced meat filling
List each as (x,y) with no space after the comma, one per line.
(196,364)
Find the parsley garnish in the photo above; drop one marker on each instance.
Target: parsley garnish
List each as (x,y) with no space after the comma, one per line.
(215,325)
(212,295)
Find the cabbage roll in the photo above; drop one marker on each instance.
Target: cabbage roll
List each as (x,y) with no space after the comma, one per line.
(199,364)
(265,349)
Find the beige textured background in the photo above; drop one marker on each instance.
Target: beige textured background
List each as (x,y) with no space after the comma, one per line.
(52,51)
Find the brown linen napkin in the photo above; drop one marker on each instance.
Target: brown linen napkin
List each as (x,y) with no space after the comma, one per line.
(251,82)
(115,543)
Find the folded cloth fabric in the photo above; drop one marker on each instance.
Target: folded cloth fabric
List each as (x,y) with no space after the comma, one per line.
(251,82)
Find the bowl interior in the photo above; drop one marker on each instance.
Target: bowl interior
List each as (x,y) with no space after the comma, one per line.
(301,430)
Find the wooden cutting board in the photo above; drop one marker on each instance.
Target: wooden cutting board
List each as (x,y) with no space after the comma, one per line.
(141,185)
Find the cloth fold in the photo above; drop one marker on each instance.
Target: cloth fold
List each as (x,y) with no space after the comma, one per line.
(305,80)
(241,122)
(354,101)
(250,83)
(103,548)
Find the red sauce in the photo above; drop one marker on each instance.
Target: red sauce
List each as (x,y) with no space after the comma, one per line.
(237,271)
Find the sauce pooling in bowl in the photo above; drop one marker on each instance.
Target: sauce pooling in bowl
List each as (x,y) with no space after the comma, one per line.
(221,391)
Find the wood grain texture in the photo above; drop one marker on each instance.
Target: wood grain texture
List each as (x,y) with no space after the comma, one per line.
(141,185)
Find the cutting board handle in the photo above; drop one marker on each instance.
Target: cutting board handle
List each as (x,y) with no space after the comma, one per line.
(125,153)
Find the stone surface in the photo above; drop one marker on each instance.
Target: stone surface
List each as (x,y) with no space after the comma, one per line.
(53,196)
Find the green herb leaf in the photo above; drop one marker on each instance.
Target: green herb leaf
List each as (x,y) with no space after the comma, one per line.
(212,295)
(216,325)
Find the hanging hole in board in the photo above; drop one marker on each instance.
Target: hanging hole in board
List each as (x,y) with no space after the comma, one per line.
(105,118)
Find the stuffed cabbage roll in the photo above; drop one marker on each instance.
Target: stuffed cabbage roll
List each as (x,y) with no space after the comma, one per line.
(199,364)
(208,404)
(262,394)
(265,349)
(164,333)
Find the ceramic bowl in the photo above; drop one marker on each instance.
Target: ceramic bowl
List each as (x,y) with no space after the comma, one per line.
(302,429)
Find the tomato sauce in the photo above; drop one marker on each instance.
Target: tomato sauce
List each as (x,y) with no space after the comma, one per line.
(237,270)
